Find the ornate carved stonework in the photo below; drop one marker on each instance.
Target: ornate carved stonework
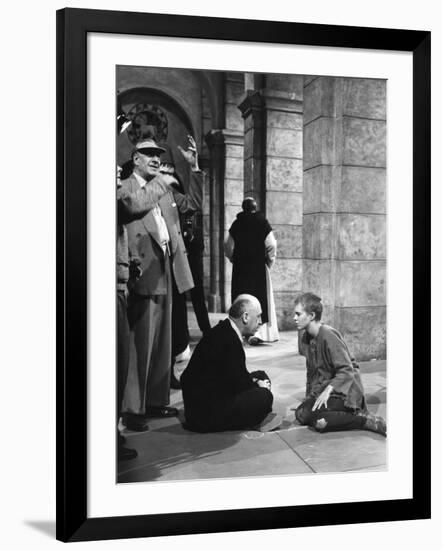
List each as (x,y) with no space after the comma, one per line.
(148,121)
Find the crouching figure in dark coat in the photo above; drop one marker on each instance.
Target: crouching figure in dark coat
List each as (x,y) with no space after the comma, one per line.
(218,391)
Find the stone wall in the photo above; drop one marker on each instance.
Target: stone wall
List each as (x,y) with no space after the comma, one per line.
(344,228)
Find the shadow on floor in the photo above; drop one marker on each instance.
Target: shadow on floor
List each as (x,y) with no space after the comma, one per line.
(45,527)
(167,447)
(378,397)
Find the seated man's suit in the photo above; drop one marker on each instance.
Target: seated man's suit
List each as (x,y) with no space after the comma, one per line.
(218,391)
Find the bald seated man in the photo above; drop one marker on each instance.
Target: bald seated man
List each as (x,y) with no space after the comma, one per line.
(218,391)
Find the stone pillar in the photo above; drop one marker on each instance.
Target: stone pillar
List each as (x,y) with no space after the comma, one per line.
(252,109)
(205,164)
(273,175)
(344,229)
(226,149)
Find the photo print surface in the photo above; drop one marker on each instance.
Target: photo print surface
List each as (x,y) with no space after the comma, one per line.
(251,274)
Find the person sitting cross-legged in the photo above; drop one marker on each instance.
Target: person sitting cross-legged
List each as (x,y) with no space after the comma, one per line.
(219,393)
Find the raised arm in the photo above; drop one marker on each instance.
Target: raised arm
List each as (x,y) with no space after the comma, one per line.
(191,201)
(133,204)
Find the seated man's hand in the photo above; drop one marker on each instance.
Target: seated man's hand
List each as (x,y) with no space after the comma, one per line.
(264,384)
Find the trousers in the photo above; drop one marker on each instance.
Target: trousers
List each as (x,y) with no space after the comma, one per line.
(248,410)
(335,417)
(123,339)
(150,321)
(197,292)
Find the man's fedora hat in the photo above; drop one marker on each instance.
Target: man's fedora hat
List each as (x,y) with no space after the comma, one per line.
(149,145)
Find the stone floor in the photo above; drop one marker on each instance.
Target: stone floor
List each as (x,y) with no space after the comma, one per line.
(168,452)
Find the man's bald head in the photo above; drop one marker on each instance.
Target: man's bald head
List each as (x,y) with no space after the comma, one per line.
(246,313)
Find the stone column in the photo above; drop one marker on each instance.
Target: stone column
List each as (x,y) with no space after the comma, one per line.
(252,109)
(344,229)
(226,149)
(273,175)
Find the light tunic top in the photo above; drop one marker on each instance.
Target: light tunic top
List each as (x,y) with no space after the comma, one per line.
(329,362)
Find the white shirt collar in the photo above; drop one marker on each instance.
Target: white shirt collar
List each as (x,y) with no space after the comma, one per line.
(139,179)
(236,329)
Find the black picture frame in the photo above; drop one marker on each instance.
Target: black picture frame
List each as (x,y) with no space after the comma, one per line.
(73,25)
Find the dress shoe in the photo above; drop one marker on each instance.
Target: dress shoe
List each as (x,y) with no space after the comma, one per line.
(161,412)
(135,422)
(126,454)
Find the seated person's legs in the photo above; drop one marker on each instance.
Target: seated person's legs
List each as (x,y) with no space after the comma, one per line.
(304,411)
(336,417)
(250,408)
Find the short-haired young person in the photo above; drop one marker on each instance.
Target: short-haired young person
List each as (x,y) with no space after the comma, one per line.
(335,397)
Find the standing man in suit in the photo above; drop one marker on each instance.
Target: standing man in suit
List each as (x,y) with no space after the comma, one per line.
(158,260)
(130,206)
(219,392)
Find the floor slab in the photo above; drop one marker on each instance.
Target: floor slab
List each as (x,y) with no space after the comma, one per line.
(337,451)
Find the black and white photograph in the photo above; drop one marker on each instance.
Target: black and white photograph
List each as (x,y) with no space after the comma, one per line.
(220,328)
(251,274)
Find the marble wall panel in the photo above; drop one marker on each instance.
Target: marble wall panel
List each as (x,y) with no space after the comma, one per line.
(319,191)
(320,99)
(364,330)
(284,207)
(364,142)
(281,119)
(233,191)
(287,274)
(318,236)
(289,239)
(360,283)
(363,190)
(234,168)
(236,151)
(361,237)
(365,98)
(284,174)
(319,142)
(284,143)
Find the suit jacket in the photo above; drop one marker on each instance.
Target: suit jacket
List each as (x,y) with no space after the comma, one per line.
(216,373)
(145,246)
(130,207)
